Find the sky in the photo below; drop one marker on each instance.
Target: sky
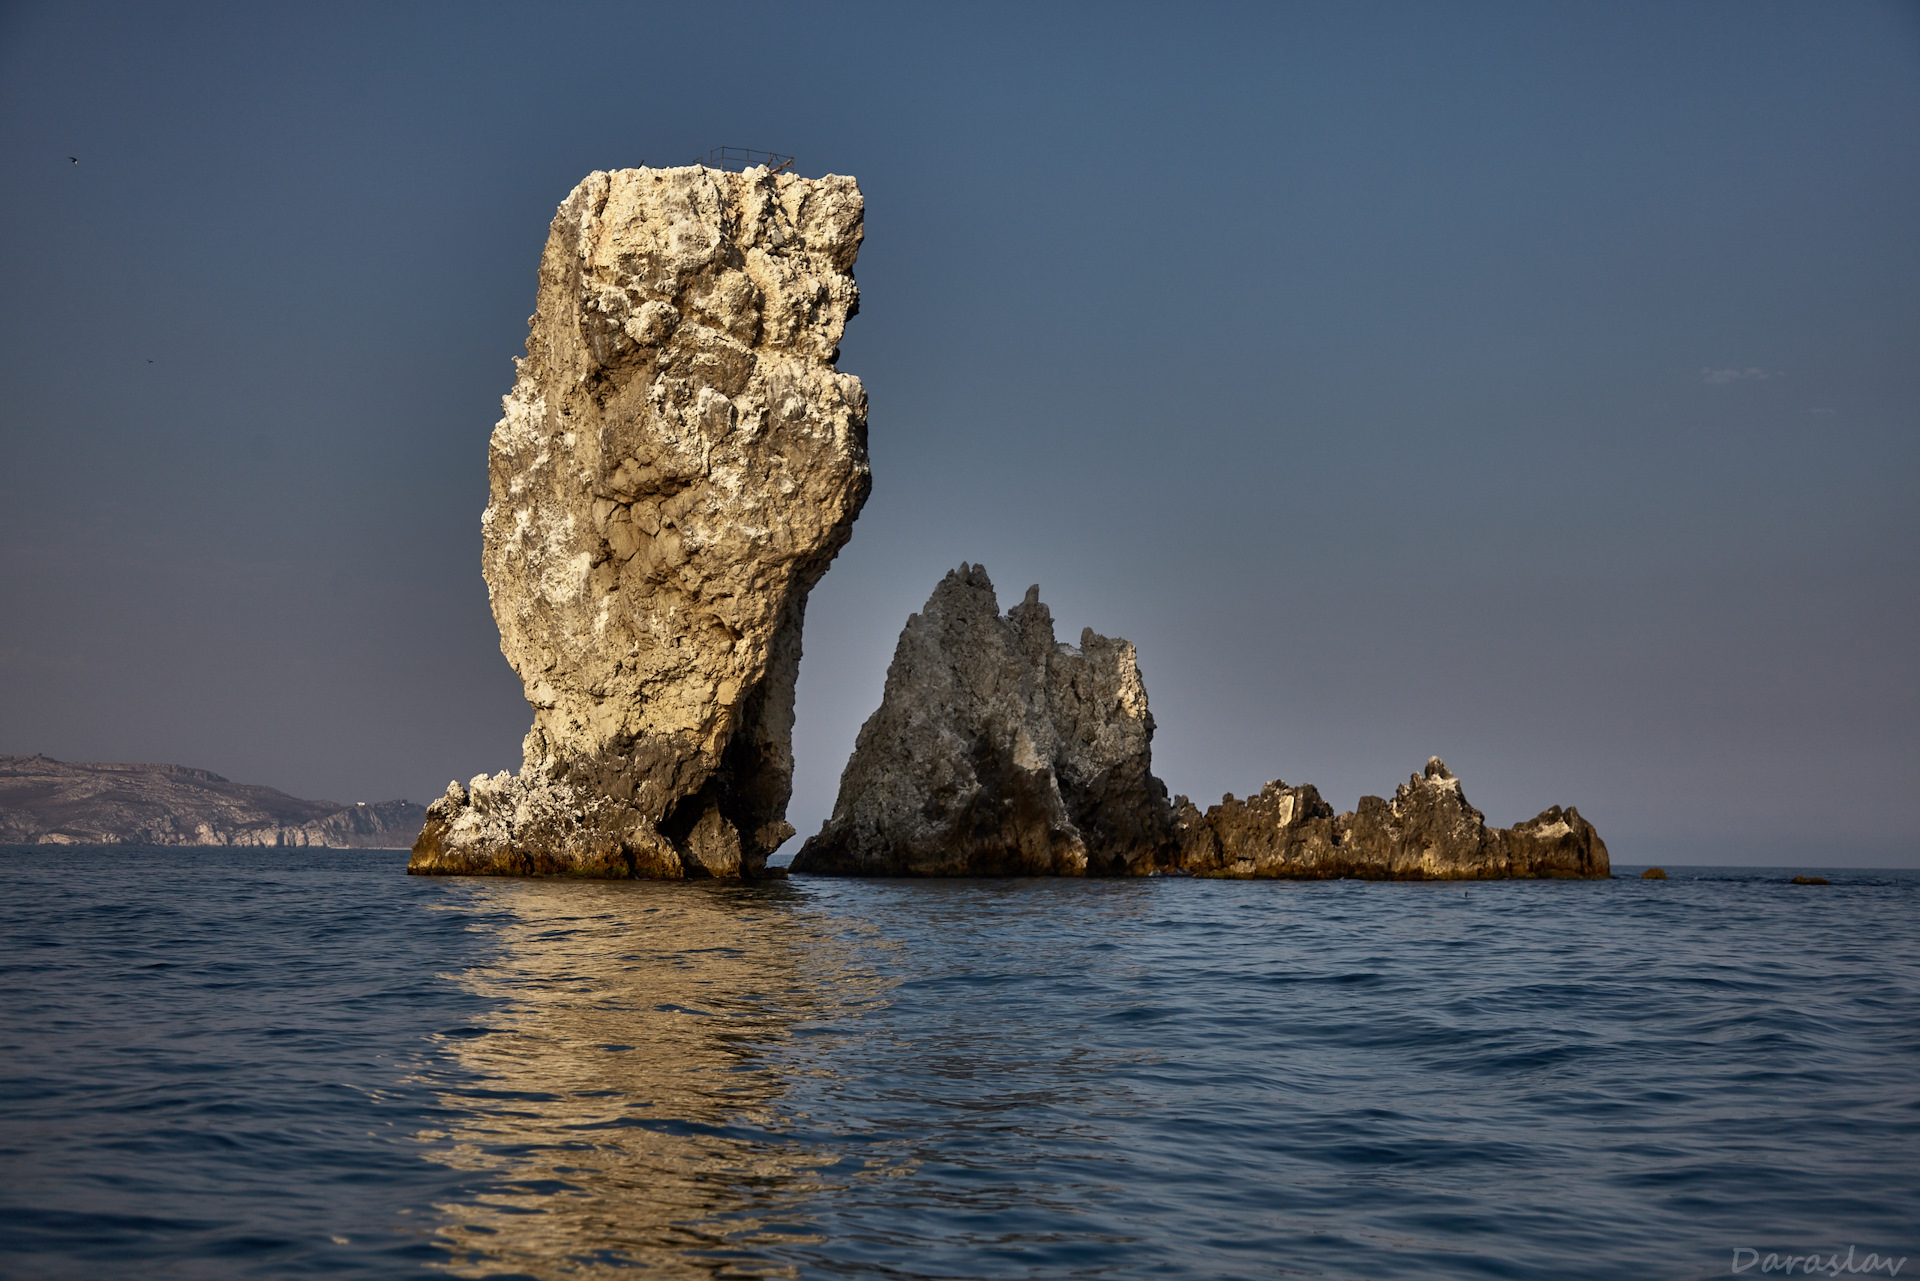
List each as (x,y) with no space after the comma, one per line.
(1537,386)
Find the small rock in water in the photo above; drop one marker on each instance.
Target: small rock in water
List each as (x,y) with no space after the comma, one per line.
(1810,880)
(1654,874)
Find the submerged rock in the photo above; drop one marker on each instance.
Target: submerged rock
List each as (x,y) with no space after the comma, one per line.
(998,751)
(677,465)
(1427,831)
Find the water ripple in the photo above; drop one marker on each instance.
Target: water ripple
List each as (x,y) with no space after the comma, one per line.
(266,1064)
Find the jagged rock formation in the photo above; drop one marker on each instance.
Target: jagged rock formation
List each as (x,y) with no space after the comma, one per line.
(677,465)
(1283,831)
(997,751)
(1555,842)
(1427,831)
(49,802)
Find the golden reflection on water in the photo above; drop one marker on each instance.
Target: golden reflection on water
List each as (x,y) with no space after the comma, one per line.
(625,1092)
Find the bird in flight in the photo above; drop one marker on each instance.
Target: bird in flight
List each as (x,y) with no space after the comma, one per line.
(75,159)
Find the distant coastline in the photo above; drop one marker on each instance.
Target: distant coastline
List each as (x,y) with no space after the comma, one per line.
(48,802)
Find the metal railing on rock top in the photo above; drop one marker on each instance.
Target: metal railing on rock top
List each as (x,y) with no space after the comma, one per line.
(735,159)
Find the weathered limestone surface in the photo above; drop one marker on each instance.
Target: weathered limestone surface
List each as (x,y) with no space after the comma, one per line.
(998,751)
(1283,831)
(1554,842)
(677,464)
(1427,831)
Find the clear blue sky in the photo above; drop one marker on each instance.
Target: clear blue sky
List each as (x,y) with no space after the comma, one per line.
(1535,385)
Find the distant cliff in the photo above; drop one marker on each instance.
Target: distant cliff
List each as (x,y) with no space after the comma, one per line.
(49,802)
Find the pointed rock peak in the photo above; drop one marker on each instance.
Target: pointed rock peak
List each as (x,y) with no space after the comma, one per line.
(967,589)
(1437,768)
(1034,621)
(974,576)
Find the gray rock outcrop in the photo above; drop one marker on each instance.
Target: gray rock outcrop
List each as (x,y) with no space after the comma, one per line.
(677,464)
(49,802)
(998,751)
(1427,831)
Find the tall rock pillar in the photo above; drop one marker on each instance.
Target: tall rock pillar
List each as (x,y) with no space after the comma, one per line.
(677,464)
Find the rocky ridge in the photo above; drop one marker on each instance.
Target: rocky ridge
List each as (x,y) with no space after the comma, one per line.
(1426,832)
(49,802)
(675,468)
(997,751)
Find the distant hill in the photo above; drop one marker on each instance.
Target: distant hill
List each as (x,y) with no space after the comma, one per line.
(49,802)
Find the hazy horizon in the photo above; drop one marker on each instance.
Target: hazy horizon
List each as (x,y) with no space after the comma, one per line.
(1530,387)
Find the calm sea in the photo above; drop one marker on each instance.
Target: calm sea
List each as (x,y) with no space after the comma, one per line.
(265,1064)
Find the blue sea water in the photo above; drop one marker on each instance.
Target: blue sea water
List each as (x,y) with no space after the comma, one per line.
(273,1064)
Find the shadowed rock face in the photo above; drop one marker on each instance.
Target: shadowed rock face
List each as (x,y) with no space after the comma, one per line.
(1427,831)
(677,465)
(998,751)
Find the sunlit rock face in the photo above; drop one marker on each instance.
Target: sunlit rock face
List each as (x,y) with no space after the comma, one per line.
(998,751)
(1555,842)
(1427,831)
(677,464)
(1282,831)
